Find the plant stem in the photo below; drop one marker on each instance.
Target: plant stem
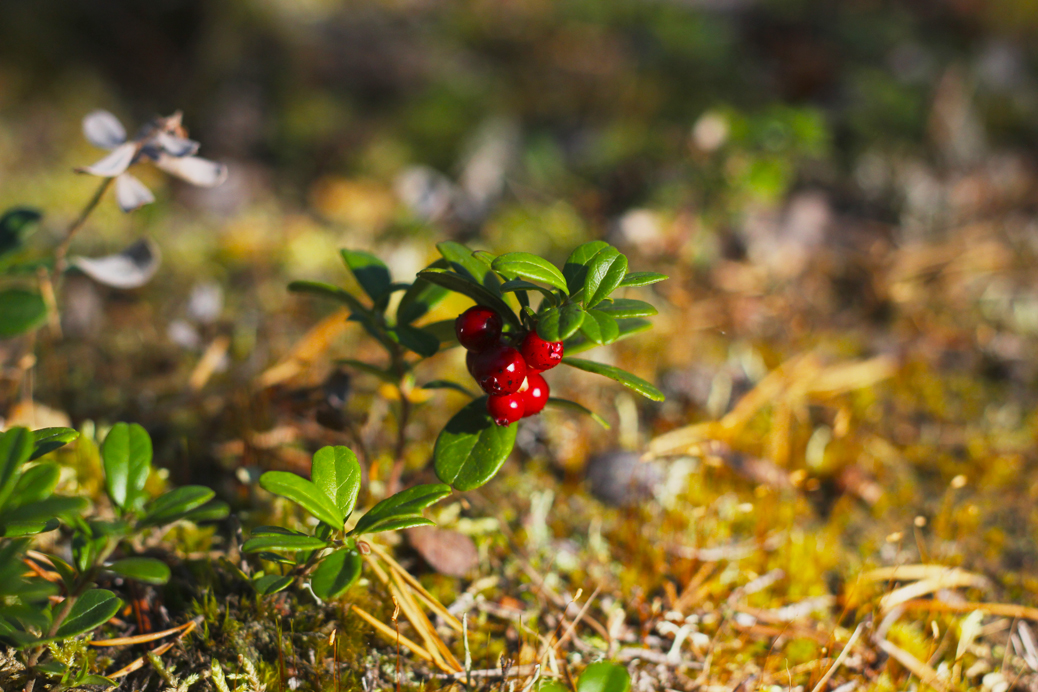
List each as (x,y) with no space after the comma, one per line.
(62,249)
(51,285)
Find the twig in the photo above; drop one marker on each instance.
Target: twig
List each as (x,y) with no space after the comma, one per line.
(839,659)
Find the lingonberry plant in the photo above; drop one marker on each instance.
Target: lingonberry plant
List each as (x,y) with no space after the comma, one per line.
(101,547)
(510,340)
(330,554)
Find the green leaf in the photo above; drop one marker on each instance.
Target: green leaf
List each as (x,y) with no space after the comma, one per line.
(469,264)
(93,609)
(447,384)
(271,584)
(99,680)
(15,449)
(622,376)
(520,285)
(604,273)
(176,504)
(567,405)
(600,327)
(546,685)
(46,440)
(528,266)
(415,339)
(13,227)
(274,557)
(575,269)
(628,328)
(328,291)
(52,669)
(420,298)
(304,493)
(370,272)
(126,453)
(626,308)
(604,676)
(467,287)
(211,511)
(471,448)
(53,507)
(20,311)
(557,324)
(336,573)
(36,483)
(27,527)
(283,542)
(143,569)
(635,279)
(336,472)
(397,510)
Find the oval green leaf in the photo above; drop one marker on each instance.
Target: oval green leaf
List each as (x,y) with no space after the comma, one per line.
(414,339)
(283,542)
(336,472)
(37,483)
(271,584)
(305,494)
(20,311)
(15,449)
(176,504)
(599,327)
(635,279)
(604,676)
(626,308)
(575,269)
(471,449)
(336,573)
(46,440)
(604,273)
(420,298)
(468,287)
(559,323)
(470,265)
(370,272)
(93,609)
(405,506)
(525,265)
(143,569)
(622,376)
(126,454)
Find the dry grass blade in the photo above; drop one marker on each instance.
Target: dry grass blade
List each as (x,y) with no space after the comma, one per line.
(908,573)
(1000,609)
(158,651)
(839,659)
(145,638)
(951,579)
(392,636)
(419,590)
(434,644)
(919,669)
(209,362)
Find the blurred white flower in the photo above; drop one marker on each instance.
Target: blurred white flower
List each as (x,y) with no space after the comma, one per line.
(163,142)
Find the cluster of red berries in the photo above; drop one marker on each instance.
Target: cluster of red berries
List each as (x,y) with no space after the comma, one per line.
(511,376)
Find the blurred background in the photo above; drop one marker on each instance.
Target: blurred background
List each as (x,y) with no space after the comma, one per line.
(853,178)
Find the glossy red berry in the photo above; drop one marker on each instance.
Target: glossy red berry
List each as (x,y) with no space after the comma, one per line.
(478,328)
(539,354)
(499,370)
(535,396)
(506,408)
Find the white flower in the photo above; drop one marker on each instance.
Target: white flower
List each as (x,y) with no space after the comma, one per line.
(163,142)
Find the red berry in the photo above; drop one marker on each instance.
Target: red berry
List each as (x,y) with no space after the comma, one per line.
(506,408)
(535,396)
(478,328)
(539,354)
(499,370)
